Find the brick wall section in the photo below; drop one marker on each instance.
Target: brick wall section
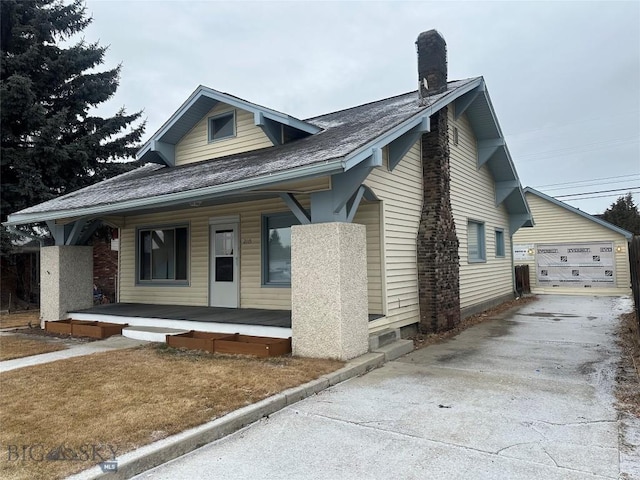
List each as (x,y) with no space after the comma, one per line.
(437,243)
(105,267)
(432,62)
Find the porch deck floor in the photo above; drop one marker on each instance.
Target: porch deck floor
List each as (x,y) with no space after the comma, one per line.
(246,316)
(241,316)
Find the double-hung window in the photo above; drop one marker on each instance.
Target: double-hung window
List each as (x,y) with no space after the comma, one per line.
(163,255)
(222,126)
(276,249)
(475,242)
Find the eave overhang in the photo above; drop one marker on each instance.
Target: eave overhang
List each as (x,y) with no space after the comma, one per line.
(402,137)
(494,154)
(184,197)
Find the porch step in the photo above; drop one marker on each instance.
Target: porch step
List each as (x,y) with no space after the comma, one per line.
(395,350)
(385,337)
(150,334)
(390,343)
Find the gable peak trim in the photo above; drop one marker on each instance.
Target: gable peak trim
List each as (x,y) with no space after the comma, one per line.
(628,235)
(197,105)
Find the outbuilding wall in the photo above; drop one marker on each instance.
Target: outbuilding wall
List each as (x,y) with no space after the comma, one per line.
(555,224)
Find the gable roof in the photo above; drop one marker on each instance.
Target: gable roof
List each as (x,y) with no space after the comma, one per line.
(342,140)
(160,147)
(628,235)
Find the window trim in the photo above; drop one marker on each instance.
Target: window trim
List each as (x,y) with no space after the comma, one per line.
(217,116)
(162,282)
(500,252)
(482,244)
(282,218)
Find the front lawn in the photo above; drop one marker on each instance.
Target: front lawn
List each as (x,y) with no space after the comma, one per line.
(81,409)
(16,346)
(20,319)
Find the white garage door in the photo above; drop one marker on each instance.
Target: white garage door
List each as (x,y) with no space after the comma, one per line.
(576,264)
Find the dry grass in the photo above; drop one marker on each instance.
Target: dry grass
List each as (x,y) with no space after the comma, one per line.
(129,398)
(20,319)
(628,378)
(422,340)
(16,346)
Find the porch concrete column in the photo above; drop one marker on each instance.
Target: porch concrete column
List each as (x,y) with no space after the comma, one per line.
(66,281)
(329,316)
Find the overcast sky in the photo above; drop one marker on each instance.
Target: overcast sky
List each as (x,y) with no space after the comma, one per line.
(564,77)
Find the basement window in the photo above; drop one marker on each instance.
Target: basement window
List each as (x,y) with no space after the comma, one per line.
(222,126)
(162,255)
(475,242)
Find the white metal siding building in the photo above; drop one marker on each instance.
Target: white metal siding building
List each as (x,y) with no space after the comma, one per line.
(561,227)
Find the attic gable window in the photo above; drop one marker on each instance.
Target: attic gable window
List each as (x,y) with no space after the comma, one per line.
(222,126)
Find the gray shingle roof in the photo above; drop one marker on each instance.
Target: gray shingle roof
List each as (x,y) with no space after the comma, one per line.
(343,133)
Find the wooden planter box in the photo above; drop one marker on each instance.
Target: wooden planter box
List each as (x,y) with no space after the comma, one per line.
(251,345)
(81,328)
(62,327)
(195,340)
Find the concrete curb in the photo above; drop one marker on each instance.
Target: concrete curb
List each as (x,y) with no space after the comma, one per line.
(162,451)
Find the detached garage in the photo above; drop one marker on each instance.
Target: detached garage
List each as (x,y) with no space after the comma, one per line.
(570,251)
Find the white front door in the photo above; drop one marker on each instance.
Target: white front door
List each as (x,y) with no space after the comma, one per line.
(224,273)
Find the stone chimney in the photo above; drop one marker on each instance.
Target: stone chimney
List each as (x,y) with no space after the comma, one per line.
(432,62)
(437,242)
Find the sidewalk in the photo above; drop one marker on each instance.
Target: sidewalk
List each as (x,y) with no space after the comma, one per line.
(112,343)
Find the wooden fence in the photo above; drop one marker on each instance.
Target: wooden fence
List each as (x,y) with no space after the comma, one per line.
(522,279)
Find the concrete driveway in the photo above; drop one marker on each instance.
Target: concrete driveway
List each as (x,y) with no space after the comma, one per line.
(527,396)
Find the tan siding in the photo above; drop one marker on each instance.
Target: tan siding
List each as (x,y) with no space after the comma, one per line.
(195,146)
(369,215)
(401,195)
(473,197)
(554,224)
(252,293)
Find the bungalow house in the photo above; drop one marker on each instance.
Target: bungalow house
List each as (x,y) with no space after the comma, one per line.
(384,216)
(569,251)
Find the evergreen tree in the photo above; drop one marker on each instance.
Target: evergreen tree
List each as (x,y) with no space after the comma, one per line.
(624,214)
(50,142)
(275,246)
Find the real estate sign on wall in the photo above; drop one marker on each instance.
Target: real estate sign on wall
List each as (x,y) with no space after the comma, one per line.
(523,252)
(576,265)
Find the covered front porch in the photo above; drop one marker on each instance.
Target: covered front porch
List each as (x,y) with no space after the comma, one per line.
(246,321)
(327,298)
(235,264)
